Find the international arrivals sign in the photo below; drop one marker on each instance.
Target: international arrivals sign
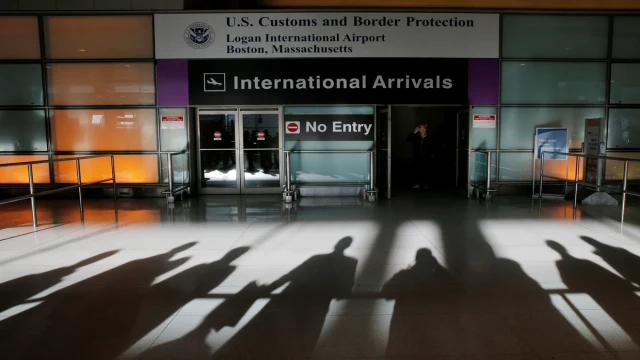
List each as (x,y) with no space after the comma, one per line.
(328,81)
(326,35)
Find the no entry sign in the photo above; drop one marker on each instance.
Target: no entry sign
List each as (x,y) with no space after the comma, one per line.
(293,127)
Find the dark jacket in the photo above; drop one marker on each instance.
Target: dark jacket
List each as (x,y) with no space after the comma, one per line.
(420,145)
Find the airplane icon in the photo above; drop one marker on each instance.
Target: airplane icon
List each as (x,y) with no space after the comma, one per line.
(214,82)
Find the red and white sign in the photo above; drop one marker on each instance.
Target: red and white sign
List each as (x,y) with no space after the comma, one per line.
(217,135)
(484,121)
(293,127)
(260,135)
(172,122)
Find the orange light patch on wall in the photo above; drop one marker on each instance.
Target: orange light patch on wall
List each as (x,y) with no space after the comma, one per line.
(20,174)
(101,84)
(19,37)
(130,169)
(104,130)
(74,37)
(558,168)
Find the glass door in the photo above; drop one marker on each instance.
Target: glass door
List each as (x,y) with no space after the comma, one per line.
(218,152)
(260,149)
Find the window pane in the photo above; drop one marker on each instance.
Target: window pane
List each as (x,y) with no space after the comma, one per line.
(624,128)
(482,138)
(129,169)
(262,168)
(626,37)
(625,83)
(19,37)
(554,36)
(104,130)
(75,37)
(101,84)
(218,169)
(515,166)
(614,169)
(308,168)
(20,174)
(21,84)
(268,124)
(173,138)
(23,130)
(529,82)
(518,124)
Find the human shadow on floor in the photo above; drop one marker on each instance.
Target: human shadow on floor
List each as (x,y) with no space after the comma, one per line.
(615,295)
(289,326)
(418,289)
(622,260)
(93,319)
(17,291)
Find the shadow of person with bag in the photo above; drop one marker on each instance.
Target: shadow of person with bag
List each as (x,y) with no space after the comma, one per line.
(289,326)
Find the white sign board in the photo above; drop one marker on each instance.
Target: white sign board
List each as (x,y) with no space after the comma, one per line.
(484,121)
(172,122)
(326,34)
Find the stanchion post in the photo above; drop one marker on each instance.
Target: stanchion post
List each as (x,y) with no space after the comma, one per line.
(488,171)
(113,176)
(79,177)
(170,174)
(34,216)
(575,188)
(370,170)
(624,190)
(541,173)
(287,159)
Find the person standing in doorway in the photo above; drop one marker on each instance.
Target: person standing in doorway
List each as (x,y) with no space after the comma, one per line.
(420,155)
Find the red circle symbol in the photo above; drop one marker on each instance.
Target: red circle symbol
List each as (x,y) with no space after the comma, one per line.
(217,134)
(260,134)
(292,127)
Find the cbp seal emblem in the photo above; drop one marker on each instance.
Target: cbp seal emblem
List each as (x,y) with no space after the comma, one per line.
(199,35)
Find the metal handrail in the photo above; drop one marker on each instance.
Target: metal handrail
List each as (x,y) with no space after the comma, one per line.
(487,187)
(597,187)
(169,193)
(288,191)
(32,194)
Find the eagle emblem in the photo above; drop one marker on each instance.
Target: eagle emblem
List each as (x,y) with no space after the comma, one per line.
(199,35)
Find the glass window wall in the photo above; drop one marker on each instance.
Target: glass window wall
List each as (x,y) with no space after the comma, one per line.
(101,84)
(98,37)
(540,82)
(21,85)
(104,130)
(626,37)
(555,37)
(23,131)
(19,38)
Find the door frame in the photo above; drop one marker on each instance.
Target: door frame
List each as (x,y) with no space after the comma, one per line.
(239,148)
(463,149)
(383,149)
(261,110)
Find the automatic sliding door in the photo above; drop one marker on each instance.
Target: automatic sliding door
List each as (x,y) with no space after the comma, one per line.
(260,150)
(218,152)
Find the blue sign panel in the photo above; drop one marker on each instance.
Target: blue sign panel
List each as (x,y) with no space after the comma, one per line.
(551,140)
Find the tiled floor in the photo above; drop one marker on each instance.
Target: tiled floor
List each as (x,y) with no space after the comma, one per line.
(423,276)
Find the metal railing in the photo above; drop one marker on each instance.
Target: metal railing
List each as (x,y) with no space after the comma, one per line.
(577,182)
(289,191)
(184,185)
(32,194)
(482,184)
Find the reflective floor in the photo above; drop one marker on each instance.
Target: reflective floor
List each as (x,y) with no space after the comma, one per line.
(423,276)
